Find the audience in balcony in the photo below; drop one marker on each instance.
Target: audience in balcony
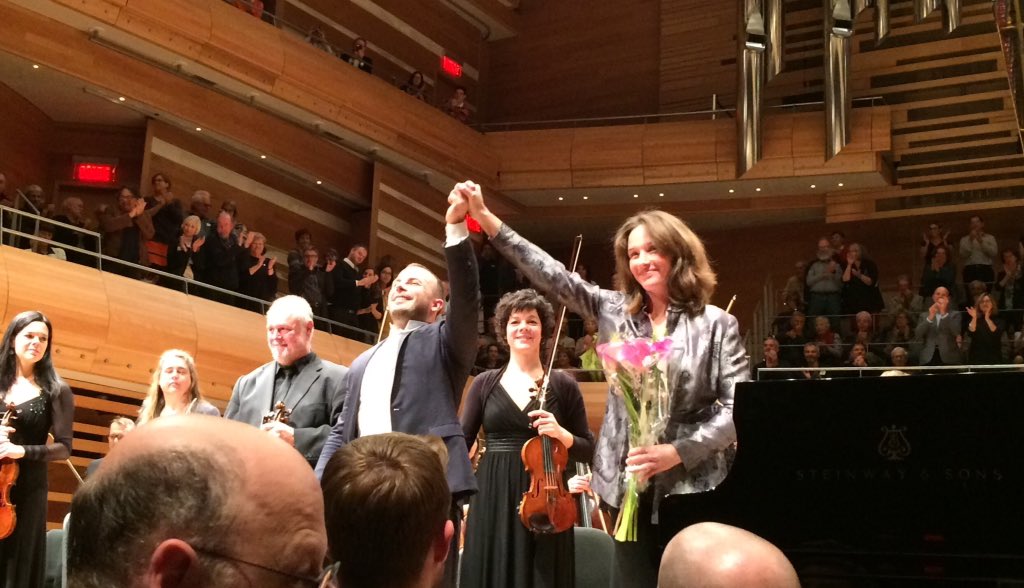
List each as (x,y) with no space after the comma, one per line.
(40,246)
(1009,288)
(824,284)
(813,368)
(126,227)
(978,251)
(985,332)
(830,344)
(317,39)
(73,213)
(303,241)
(940,273)
(167,216)
(934,238)
(415,86)
(200,207)
(219,259)
(938,331)
(864,332)
(457,106)
(348,284)
(860,282)
(839,247)
(368,316)
(859,356)
(905,299)
(901,334)
(310,281)
(772,358)
(257,278)
(33,203)
(794,338)
(181,259)
(898,357)
(358,57)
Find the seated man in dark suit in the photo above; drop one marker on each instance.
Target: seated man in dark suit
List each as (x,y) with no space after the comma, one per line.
(938,332)
(395,484)
(308,386)
(772,359)
(412,381)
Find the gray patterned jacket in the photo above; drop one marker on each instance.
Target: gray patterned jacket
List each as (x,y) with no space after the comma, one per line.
(707,360)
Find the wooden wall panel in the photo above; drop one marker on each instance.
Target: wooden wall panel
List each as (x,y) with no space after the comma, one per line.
(576,58)
(683,152)
(407,221)
(24,131)
(195,167)
(698,54)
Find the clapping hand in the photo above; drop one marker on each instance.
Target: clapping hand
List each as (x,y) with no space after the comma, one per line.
(330,265)
(196,244)
(972,311)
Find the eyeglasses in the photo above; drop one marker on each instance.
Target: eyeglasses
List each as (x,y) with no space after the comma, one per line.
(328,578)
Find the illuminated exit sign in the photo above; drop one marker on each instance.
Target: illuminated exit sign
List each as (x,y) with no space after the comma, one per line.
(451,67)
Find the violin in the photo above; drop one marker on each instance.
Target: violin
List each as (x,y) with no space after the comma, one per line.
(8,478)
(281,414)
(591,517)
(547,506)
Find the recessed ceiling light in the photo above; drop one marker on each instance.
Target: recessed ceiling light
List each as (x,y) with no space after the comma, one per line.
(561,198)
(121,98)
(840,184)
(319,182)
(661,193)
(636,195)
(586,197)
(263,156)
(731,191)
(35,66)
(199,128)
(813,186)
(757,189)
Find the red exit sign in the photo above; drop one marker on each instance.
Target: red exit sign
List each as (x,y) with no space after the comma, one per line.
(451,67)
(95,173)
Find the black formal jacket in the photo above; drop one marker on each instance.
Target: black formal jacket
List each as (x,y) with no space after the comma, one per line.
(315,400)
(433,364)
(345,295)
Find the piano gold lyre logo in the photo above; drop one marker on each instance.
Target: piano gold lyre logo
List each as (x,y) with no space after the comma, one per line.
(894,445)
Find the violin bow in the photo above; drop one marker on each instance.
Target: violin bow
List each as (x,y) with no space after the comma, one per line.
(577,244)
(68,463)
(731,301)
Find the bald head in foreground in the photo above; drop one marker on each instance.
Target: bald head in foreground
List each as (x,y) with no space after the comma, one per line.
(198,501)
(712,555)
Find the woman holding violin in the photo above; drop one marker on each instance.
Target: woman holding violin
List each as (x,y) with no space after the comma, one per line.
(666,283)
(500,551)
(40,403)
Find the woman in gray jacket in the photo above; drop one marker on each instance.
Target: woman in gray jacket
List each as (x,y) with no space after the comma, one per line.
(666,285)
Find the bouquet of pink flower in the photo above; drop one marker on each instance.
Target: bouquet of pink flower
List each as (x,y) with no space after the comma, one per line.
(635,368)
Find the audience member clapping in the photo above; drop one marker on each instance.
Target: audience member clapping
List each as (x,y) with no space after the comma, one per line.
(126,228)
(813,369)
(978,250)
(73,213)
(901,334)
(938,332)
(200,207)
(824,284)
(181,259)
(219,260)
(772,359)
(860,282)
(793,338)
(985,331)
(934,238)
(167,213)
(905,299)
(257,278)
(860,357)
(311,282)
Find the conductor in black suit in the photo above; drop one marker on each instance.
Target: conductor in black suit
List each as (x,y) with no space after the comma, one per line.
(308,386)
(412,381)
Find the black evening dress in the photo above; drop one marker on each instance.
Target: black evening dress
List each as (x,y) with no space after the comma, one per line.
(23,553)
(499,551)
(986,345)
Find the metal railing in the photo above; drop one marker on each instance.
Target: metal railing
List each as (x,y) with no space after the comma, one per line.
(704,114)
(825,372)
(156,276)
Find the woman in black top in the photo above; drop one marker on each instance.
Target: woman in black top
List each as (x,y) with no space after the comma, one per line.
(986,332)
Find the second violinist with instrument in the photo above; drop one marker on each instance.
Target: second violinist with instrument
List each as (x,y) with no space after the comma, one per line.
(500,551)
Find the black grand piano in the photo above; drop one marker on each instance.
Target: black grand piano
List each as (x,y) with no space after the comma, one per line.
(878,481)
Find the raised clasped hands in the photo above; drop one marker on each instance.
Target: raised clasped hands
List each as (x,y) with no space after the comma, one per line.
(646,462)
(547,424)
(458,202)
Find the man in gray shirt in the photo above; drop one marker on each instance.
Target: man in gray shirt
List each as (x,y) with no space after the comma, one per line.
(977,251)
(824,284)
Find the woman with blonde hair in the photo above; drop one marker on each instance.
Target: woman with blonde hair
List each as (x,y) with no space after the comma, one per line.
(174,389)
(666,283)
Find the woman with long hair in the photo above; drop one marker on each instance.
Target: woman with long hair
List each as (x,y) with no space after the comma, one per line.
(41,404)
(174,389)
(256,275)
(986,332)
(500,551)
(665,286)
